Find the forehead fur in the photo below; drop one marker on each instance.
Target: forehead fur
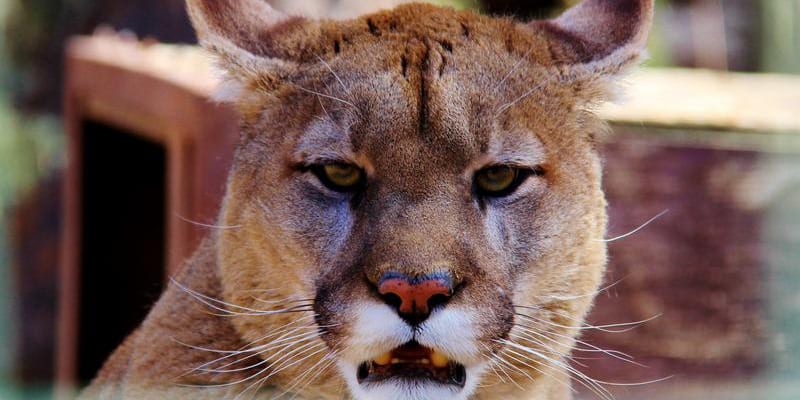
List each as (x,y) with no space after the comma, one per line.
(417,88)
(454,80)
(419,23)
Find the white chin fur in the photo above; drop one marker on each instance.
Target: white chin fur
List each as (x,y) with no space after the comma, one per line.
(395,390)
(376,329)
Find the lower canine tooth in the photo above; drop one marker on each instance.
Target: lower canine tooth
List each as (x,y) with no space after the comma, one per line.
(439,360)
(383,359)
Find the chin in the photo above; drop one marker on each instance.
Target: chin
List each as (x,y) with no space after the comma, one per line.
(410,379)
(390,359)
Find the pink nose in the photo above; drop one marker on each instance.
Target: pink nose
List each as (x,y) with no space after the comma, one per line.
(414,298)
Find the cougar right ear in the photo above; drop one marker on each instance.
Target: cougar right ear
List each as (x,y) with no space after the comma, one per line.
(603,36)
(254,42)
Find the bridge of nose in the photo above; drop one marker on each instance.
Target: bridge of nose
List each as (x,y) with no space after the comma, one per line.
(415,236)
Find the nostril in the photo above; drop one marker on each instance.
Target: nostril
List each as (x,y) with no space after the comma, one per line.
(437,300)
(392,299)
(363,372)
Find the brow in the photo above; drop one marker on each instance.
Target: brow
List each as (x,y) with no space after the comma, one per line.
(323,142)
(520,149)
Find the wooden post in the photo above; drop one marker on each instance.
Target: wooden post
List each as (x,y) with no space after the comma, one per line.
(69,278)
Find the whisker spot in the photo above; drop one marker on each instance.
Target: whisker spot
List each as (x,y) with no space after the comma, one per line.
(465,30)
(373,29)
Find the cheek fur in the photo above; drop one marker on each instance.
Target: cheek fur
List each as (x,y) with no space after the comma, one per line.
(321,222)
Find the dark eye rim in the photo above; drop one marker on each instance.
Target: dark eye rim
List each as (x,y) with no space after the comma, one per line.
(319,171)
(521,174)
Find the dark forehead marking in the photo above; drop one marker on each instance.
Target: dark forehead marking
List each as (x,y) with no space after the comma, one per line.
(422,104)
(418,77)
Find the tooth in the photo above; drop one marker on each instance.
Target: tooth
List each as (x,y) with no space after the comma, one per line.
(383,359)
(439,360)
(395,361)
(425,361)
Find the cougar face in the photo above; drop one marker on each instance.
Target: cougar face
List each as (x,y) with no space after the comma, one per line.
(421,186)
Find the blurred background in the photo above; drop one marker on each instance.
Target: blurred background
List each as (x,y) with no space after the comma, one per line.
(711,133)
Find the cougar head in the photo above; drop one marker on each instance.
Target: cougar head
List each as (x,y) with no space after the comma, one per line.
(417,192)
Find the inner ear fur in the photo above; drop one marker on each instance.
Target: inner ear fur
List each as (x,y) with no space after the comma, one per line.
(256,46)
(604,36)
(251,26)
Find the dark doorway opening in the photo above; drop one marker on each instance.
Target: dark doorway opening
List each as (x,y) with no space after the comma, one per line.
(122,244)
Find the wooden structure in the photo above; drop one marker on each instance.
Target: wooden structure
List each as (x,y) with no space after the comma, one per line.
(152,101)
(143,104)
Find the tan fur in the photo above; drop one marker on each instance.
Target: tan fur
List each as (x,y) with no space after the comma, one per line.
(420,97)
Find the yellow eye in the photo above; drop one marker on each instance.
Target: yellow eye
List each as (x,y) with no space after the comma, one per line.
(497,181)
(341,177)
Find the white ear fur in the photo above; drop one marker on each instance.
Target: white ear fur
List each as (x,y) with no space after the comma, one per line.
(237,33)
(239,23)
(599,41)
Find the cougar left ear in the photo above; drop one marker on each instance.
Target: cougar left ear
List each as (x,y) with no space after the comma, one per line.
(255,43)
(605,36)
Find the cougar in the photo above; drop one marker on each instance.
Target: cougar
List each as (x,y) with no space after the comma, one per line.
(414,209)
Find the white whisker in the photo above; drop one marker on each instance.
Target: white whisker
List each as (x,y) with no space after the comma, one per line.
(592,348)
(281,332)
(527,93)
(524,357)
(207,300)
(209,226)
(283,366)
(253,376)
(513,69)
(295,340)
(602,328)
(635,230)
(589,382)
(328,66)
(327,96)
(325,361)
(495,359)
(581,296)
(249,348)
(281,301)
(502,360)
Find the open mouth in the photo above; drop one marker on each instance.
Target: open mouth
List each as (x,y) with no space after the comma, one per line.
(413,362)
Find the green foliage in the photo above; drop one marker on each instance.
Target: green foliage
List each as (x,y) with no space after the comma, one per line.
(26,27)
(781,36)
(659,53)
(29,148)
(457,4)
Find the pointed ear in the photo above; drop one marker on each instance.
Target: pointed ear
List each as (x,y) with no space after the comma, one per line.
(254,43)
(605,36)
